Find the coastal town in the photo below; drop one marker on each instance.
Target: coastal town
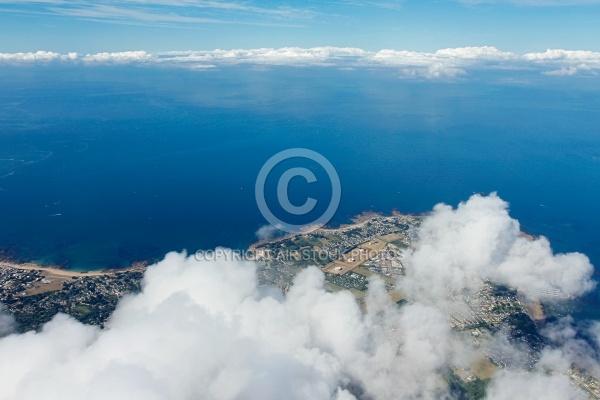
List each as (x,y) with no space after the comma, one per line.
(348,256)
(34,296)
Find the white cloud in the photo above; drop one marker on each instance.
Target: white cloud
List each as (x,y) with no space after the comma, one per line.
(482,53)
(559,54)
(458,248)
(530,265)
(569,348)
(442,64)
(522,385)
(39,56)
(124,57)
(267,232)
(566,62)
(445,63)
(317,56)
(548,378)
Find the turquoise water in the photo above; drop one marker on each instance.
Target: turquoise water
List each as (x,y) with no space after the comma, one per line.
(103,166)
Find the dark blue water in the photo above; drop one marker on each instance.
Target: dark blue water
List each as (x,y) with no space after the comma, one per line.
(104,166)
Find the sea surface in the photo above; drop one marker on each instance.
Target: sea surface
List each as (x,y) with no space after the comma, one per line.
(102,166)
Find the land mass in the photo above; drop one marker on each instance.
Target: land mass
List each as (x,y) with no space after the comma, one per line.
(33,294)
(374,245)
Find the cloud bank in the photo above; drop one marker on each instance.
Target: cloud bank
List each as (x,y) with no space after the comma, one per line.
(442,64)
(204,329)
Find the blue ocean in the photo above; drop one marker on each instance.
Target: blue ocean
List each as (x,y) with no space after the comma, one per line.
(102,166)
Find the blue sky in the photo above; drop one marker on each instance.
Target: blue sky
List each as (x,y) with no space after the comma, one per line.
(425,25)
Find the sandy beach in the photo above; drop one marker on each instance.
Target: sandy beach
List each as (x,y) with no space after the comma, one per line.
(56,271)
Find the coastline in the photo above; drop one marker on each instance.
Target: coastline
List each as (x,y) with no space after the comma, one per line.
(356,222)
(57,271)
(54,278)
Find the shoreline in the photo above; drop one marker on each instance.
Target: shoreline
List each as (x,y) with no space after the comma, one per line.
(356,221)
(54,279)
(57,271)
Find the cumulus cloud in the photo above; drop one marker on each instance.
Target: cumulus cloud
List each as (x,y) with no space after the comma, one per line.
(481,53)
(296,56)
(45,57)
(443,64)
(523,385)
(204,329)
(531,266)
(566,62)
(458,248)
(548,377)
(124,57)
(571,345)
(38,56)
